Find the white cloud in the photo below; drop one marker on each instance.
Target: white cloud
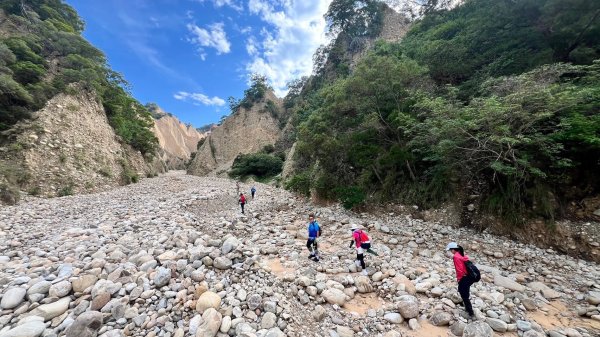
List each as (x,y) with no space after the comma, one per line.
(199,98)
(251,46)
(237,5)
(296,30)
(214,37)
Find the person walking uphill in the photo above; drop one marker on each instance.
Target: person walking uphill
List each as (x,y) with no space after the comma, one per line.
(465,280)
(253,191)
(314,232)
(242,201)
(363,243)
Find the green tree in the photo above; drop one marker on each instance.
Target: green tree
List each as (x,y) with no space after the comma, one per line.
(355,17)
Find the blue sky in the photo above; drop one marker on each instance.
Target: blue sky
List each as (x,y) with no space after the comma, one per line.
(188,56)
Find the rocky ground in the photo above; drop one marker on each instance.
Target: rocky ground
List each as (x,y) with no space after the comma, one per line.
(173,256)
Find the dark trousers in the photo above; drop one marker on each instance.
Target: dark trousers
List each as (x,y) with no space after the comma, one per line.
(464,287)
(253,195)
(242,204)
(312,246)
(361,259)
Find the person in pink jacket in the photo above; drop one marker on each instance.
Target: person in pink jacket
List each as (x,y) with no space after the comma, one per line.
(362,242)
(462,276)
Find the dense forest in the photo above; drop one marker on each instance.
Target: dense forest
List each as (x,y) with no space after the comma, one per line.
(42,52)
(490,102)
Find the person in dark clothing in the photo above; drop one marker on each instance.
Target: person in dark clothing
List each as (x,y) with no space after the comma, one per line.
(252,191)
(464,279)
(242,201)
(314,232)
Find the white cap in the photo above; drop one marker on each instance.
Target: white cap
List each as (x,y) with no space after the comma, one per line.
(353,227)
(452,245)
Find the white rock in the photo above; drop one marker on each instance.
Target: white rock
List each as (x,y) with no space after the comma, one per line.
(13,298)
(49,311)
(334,296)
(393,317)
(29,329)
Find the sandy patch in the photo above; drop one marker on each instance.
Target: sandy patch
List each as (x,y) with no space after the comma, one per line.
(427,330)
(278,268)
(363,302)
(559,316)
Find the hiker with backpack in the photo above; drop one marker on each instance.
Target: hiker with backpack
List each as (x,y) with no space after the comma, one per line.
(242,201)
(314,232)
(466,274)
(362,242)
(252,191)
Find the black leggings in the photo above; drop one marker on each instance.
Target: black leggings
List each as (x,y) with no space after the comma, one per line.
(361,259)
(464,286)
(310,244)
(242,204)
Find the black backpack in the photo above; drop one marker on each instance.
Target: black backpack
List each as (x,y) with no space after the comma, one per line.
(473,271)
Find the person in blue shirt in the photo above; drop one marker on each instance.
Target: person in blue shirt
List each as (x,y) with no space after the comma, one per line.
(314,232)
(252,191)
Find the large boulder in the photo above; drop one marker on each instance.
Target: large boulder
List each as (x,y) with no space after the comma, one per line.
(83,282)
(51,310)
(211,323)
(86,325)
(29,329)
(230,244)
(547,292)
(507,283)
(12,298)
(393,317)
(408,306)
(222,263)
(440,318)
(268,321)
(363,285)
(60,289)
(478,329)
(497,324)
(162,277)
(208,300)
(334,296)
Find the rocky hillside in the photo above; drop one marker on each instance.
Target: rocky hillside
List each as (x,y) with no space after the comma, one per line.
(177,140)
(69,147)
(172,256)
(245,131)
(67,121)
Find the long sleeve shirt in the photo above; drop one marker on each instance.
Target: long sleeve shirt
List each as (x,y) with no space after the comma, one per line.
(459,265)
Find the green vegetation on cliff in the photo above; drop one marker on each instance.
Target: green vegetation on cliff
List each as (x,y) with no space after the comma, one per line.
(42,52)
(493,100)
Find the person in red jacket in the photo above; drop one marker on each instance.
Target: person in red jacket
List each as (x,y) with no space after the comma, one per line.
(242,201)
(464,279)
(363,243)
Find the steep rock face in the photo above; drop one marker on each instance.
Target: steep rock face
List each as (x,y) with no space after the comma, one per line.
(69,147)
(394,28)
(395,25)
(245,131)
(177,140)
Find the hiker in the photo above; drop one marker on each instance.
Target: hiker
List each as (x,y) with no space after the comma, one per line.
(464,279)
(362,242)
(242,201)
(253,190)
(314,232)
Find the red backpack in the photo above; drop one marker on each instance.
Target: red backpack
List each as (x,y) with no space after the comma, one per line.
(363,236)
(242,199)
